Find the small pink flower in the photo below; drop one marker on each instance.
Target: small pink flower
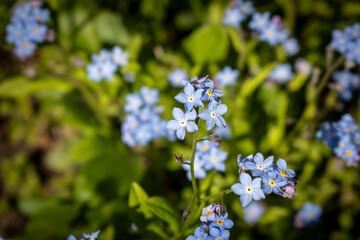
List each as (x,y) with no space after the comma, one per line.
(208,213)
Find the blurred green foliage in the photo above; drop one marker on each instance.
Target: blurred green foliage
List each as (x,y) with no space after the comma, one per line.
(64,168)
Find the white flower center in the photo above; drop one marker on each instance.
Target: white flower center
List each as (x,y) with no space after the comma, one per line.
(248,189)
(191,99)
(213,114)
(260,166)
(183,123)
(213,159)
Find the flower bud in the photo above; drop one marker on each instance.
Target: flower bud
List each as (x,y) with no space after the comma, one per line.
(179,158)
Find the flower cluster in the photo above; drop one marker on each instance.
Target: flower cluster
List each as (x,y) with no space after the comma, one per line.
(143,124)
(27,28)
(269,179)
(195,92)
(270,29)
(347,42)
(237,13)
(176,76)
(208,156)
(309,214)
(106,63)
(346,83)
(343,138)
(91,236)
(214,224)
(281,73)
(254,212)
(273,31)
(226,77)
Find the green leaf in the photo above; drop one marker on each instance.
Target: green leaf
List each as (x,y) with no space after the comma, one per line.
(250,85)
(137,195)
(207,44)
(163,209)
(274,214)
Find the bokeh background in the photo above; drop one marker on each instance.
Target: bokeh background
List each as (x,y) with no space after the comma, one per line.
(65,170)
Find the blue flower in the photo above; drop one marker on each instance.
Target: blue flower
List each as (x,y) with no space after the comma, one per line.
(15,32)
(71,237)
(328,134)
(198,235)
(246,8)
(253,212)
(272,183)
(248,189)
(241,160)
(204,147)
(210,93)
(143,134)
(119,57)
(227,77)
(104,55)
(24,49)
(339,41)
(309,214)
(190,97)
(181,122)
(199,170)
(223,132)
(282,73)
(347,124)
(233,17)
(108,69)
(94,72)
(36,32)
(270,34)
(259,166)
(215,160)
(133,102)
(303,67)
(212,115)
(259,21)
(91,236)
(176,76)
(353,51)
(217,234)
(283,171)
(221,222)
(291,46)
(41,15)
(353,32)
(150,96)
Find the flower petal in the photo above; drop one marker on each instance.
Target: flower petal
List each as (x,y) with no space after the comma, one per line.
(221,109)
(190,115)
(259,158)
(191,127)
(281,163)
(181,97)
(189,89)
(205,114)
(238,189)
(172,125)
(258,194)
(180,133)
(245,199)
(245,179)
(256,183)
(178,113)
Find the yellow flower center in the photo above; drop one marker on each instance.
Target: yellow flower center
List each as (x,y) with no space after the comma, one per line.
(282,173)
(271,182)
(36,31)
(25,45)
(214,159)
(269,33)
(208,213)
(342,41)
(205,148)
(17,32)
(219,222)
(348,152)
(208,92)
(357,51)
(340,144)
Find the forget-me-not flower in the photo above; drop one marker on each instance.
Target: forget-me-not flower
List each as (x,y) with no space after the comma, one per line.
(176,76)
(181,122)
(198,235)
(259,166)
(272,183)
(248,189)
(212,115)
(227,77)
(190,97)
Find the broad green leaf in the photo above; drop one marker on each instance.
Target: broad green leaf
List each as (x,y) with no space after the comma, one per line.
(163,209)
(207,44)
(137,195)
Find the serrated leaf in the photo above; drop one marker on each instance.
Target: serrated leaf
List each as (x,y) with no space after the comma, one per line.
(137,195)
(163,209)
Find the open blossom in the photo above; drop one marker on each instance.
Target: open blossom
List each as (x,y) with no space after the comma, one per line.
(212,115)
(190,97)
(248,189)
(208,213)
(181,122)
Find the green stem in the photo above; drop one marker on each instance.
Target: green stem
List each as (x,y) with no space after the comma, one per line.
(243,48)
(193,180)
(217,195)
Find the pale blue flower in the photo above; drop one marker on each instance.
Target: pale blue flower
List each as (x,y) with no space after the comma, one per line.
(119,57)
(198,235)
(190,97)
(291,46)
(227,77)
(282,73)
(215,160)
(273,183)
(259,21)
(133,102)
(339,41)
(181,122)
(150,96)
(212,115)
(176,76)
(199,170)
(248,189)
(253,212)
(233,17)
